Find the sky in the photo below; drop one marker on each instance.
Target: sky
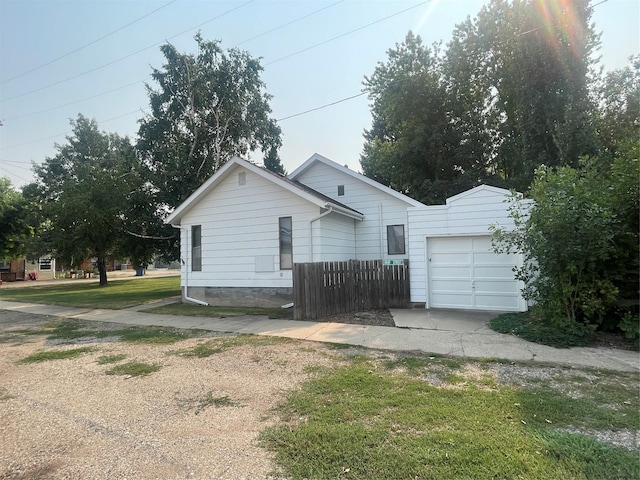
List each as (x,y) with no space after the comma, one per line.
(59,58)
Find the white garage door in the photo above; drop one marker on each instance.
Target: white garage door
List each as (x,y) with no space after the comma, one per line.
(464,272)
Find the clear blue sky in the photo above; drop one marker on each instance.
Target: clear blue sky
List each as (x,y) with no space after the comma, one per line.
(37,103)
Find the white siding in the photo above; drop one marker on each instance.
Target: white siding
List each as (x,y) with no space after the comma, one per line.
(371,233)
(240,223)
(334,238)
(469,213)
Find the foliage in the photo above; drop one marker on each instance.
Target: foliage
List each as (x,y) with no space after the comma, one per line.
(619,97)
(510,93)
(14,227)
(84,192)
(580,243)
(207,108)
(536,328)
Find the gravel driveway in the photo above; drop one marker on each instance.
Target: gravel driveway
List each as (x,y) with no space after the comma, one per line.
(68,419)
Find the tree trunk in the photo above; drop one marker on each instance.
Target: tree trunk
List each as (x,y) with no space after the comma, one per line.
(102,269)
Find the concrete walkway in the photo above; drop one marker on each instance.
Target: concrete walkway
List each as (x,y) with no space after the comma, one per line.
(445,332)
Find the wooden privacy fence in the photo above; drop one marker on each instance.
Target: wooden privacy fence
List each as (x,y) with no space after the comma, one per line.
(323,289)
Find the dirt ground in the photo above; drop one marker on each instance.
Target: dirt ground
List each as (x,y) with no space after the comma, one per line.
(68,419)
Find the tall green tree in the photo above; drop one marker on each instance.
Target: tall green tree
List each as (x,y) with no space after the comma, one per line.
(206,107)
(510,93)
(412,139)
(619,102)
(15,228)
(85,190)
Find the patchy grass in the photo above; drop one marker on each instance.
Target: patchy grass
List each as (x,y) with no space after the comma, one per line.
(209,400)
(219,312)
(116,295)
(222,344)
(55,355)
(73,330)
(134,369)
(386,420)
(108,359)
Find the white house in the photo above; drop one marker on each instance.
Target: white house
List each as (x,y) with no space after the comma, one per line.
(243,229)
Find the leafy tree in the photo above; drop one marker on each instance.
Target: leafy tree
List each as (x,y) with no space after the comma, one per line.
(619,96)
(523,69)
(207,108)
(580,243)
(412,138)
(510,93)
(85,190)
(15,229)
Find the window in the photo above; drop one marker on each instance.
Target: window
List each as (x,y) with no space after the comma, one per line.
(340,190)
(196,248)
(44,263)
(286,244)
(395,239)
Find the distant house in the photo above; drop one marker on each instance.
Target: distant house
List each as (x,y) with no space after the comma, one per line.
(23,269)
(243,229)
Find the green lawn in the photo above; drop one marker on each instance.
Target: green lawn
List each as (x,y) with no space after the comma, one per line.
(432,419)
(116,295)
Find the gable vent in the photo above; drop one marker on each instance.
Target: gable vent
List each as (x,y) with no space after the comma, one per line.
(242,178)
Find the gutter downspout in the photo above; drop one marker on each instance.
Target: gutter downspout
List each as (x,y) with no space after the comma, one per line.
(311,231)
(381,230)
(186,273)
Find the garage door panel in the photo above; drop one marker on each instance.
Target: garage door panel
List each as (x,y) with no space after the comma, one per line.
(494,271)
(496,286)
(449,272)
(455,244)
(481,243)
(454,300)
(491,258)
(465,272)
(451,258)
(496,302)
(451,285)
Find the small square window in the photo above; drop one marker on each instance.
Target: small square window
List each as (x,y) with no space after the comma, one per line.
(340,190)
(395,239)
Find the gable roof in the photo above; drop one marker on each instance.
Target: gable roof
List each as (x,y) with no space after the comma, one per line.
(316,158)
(292,186)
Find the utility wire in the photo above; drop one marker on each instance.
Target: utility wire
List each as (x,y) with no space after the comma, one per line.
(126,56)
(322,106)
(87,44)
(289,23)
(142,81)
(346,33)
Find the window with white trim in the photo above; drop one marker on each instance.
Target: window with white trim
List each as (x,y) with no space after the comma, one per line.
(395,239)
(196,248)
(286,243)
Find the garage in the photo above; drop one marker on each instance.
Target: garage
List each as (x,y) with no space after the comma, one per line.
(452,262)
(464,272)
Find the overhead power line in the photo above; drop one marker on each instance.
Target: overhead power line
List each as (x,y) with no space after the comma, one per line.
(126,56)
(87,44)
(322,106)
(347,33)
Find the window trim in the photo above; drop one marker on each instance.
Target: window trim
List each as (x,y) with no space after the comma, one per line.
(282,243)
(391,233)
(196,249)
